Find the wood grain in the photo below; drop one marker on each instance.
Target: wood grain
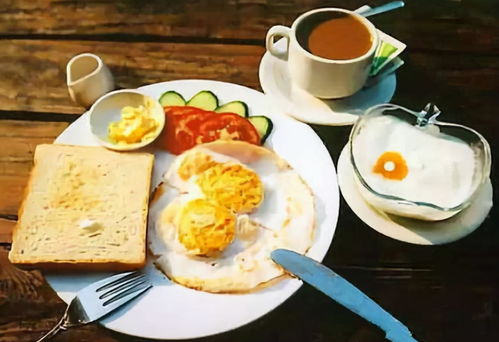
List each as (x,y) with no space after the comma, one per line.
(38,82)
(444,26)
(28,307)
(32,73)
(443,293)
(6,227)
(18,140)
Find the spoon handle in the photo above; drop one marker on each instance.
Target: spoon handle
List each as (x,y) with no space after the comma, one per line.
(366,11)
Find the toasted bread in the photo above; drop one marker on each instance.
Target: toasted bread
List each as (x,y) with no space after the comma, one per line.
(85,208)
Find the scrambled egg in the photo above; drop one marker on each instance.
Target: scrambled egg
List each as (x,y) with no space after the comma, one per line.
(136,125)
(206,228)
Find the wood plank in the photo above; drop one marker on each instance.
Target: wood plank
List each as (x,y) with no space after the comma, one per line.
(6,227)
(28,308)
(32,73)
(443,293)
(135,64)
(440,25)
(20,139)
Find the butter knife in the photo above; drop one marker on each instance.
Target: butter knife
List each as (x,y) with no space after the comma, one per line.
(336,287)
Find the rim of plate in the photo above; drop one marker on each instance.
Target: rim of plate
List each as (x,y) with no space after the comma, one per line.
(326,229)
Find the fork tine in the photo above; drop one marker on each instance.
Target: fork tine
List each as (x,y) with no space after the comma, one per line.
(123,285)
(126,296)
(117,279)
(129,290)
(114,290)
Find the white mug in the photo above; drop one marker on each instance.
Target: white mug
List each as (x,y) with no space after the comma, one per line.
(88,78)
(322,77)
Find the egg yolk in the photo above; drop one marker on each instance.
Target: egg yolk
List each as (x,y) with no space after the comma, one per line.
(194,164)
(233,186)
(391,165)
(206,228)
(136,125)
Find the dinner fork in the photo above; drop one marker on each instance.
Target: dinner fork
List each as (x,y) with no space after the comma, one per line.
(99,299)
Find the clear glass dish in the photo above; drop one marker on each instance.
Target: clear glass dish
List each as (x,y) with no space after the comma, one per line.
(425,121)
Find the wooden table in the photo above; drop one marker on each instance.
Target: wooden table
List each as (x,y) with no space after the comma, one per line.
(443,293)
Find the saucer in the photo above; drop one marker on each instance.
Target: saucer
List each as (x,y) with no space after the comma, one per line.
(407,229)
(299,104)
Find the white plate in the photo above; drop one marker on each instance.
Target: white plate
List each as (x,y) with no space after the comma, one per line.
(409,230)
(170,311)
(276,83)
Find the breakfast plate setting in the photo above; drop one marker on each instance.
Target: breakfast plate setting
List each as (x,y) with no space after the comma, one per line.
(210,188)
(148,317)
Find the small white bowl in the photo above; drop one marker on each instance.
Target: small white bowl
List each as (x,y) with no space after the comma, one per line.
(108,108)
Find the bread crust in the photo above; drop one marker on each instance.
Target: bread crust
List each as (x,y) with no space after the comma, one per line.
(75,265)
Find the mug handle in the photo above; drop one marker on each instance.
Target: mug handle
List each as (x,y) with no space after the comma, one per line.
(277,31)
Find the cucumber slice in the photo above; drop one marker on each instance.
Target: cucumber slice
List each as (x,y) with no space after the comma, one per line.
(171,98)
(236,107)
(263,126)
(205,99)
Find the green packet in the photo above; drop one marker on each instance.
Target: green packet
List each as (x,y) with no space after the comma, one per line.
(388,49)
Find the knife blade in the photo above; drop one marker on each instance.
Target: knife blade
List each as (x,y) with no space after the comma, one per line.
(343,292)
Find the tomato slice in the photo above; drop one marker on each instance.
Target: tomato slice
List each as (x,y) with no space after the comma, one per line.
(227,126)
(181,127)
(180,110)
(181,131)
(187,126)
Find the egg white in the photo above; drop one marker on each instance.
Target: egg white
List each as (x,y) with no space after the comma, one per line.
(284,219)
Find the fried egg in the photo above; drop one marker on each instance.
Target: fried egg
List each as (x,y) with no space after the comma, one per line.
(222,209)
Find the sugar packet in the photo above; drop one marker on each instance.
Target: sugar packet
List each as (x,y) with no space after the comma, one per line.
(388,50)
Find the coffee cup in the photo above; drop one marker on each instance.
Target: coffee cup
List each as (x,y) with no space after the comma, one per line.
(323,76)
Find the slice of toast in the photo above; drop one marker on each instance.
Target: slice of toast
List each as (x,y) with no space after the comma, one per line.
(85,208)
